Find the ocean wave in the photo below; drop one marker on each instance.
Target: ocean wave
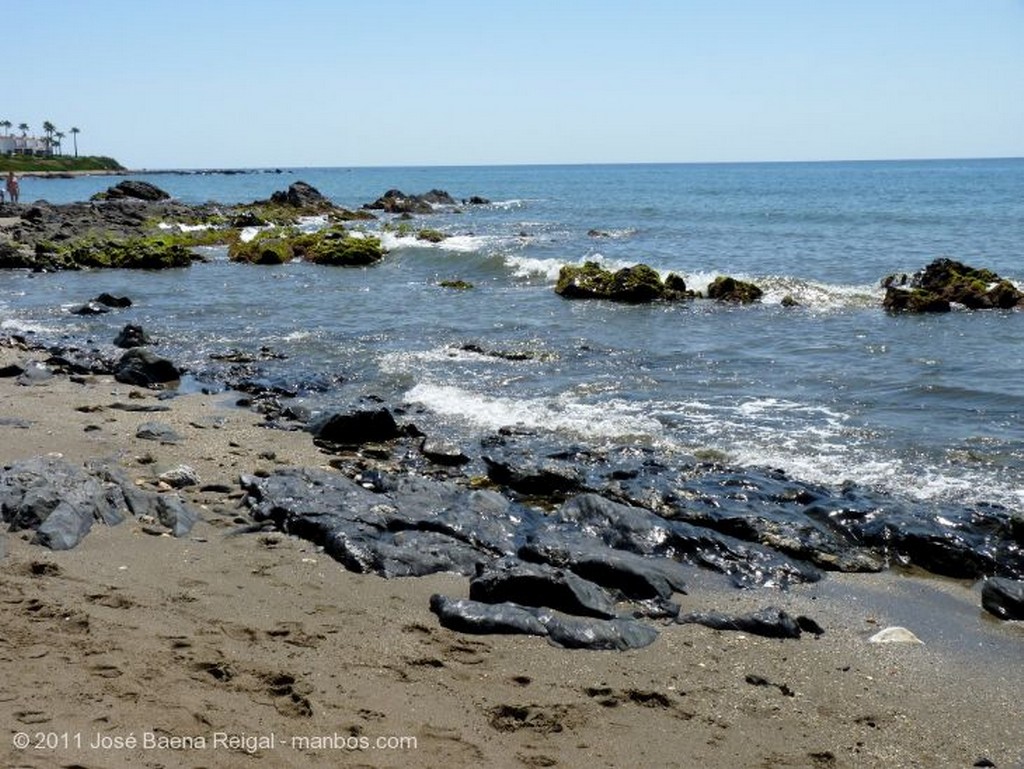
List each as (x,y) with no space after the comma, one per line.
(607,421)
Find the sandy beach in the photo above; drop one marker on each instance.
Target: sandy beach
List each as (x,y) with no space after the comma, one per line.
(222,649)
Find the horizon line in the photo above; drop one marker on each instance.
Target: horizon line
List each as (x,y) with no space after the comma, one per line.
(171,169)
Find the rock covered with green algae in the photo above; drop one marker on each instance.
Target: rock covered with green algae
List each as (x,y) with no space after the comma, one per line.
(727,289)
(330,246)
(637,284)
(132,253)
(945,282)
(337,246)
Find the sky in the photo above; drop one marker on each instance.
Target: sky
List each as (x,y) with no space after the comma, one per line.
(275,83)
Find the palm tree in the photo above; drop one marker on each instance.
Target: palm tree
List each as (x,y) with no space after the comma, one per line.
(58,141)
(74,135)
(48,129)
(23,127)
(6,125)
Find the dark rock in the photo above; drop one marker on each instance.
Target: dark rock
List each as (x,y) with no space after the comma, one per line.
(1004,598)
(109,300)
(168,509)
(641,531)
(11,370)
(618,634)
(528,584)
(468,616)
(90,308)
(476,200)
(769,622)
(913,300)
(727,289)
(637,284)
(142,367)
(157,431)
(133,189)
(630,575)
(300,195)
(548,478)
(405,526)
(132,336)
(60,501)
(946,281)
(397,202)
(357,428)
(441,453)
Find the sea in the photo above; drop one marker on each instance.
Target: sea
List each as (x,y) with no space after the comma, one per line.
(833,391)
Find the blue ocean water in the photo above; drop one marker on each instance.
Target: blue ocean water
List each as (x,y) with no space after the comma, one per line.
(834,390)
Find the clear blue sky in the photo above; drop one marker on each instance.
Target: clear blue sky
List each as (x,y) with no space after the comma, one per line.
(216,83)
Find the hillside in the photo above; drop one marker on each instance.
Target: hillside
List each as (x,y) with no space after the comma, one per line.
(29,164)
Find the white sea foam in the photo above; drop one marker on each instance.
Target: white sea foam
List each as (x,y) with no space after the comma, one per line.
(528,266)
(19,326)
(248,233)
(181,227)
(818,444)
(463,244)
(609,420)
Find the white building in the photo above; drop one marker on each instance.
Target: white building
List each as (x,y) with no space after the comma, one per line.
(24,145)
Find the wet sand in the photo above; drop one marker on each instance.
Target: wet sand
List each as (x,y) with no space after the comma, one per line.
(233,650)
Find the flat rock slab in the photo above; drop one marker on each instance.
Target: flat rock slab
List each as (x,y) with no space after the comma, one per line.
(60,502)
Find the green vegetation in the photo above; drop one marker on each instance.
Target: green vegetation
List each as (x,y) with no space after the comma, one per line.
(459,285)
(332,246)
(728,289)
(268,247)
(638,283)
(131,253)
(21,164)
(431,236)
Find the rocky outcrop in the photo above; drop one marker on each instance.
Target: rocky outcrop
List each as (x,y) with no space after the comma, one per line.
(356,428)
(301,195)
(60,502)
(330,246)
(132,189)
(397,202)
(727,289)
(142,367)
(636,284)
(945,282)
(132,336)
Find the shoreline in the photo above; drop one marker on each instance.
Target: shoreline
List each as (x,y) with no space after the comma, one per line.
(263,634)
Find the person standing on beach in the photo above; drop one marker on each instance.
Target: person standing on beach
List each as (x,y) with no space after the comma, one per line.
(13,188)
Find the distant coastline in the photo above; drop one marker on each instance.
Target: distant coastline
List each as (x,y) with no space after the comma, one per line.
(31,165)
